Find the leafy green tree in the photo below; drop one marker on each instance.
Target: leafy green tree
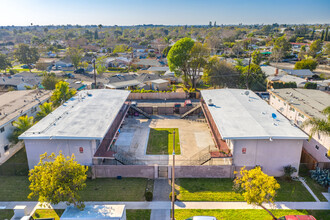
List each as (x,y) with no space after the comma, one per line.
(326,34)
(62,93)
(256,57)
(319,125)
(302,53)
(315,47)
(49,81)
(166,50)
(327,49)
(21,125)
(121,48)
(26,55)
(253,78)
(187,58)
(75,54)
(45,109)
(306,64)
(220,73)
(100,65)
(310,85)
(58,179)
(4,62)
(256,187)
(280,49)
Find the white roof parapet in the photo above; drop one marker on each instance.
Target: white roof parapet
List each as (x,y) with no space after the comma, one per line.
(87,115)
(241,114)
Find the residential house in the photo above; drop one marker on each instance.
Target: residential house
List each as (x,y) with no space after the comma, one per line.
(85,126)
(254,133)
(146,63)
(299,105)
(13,105)
(20,81)
(300,73)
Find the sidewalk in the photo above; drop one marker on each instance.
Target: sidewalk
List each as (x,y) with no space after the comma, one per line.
(187,205)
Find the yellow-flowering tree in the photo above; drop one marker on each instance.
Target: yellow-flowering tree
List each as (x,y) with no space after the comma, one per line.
(62,93)
(58,179)
(256,187)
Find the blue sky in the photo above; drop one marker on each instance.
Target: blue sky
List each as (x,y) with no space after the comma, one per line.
(169,12)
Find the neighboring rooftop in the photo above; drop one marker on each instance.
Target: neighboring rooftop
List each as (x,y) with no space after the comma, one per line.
(288,78)
(271,71)
(300,73)
(87,115)
(15,103)
(241,114)
(159,69)
(147,62)
(309,101)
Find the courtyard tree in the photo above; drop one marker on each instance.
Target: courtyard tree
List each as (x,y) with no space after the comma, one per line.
(26,55)
(75,54)
(62,93)
(45,109)
(252,78)
(4,62)
(256,187)
(58,179)
(187,58)
(21,125)
(220,73)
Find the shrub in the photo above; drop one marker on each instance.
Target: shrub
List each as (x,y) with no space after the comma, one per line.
(306,64)
(12,71)
(175,196)
(310,85)
(288,171)
(322,177)
(148,196)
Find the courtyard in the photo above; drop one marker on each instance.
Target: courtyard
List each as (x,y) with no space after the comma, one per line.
(194,138)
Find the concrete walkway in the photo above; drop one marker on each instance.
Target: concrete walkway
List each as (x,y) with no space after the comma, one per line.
(162,189)
(186,205)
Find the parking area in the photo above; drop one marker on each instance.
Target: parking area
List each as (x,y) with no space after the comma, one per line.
(194,137)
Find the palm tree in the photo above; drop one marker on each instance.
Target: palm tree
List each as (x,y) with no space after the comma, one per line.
(45,109)
(22,124)
(319,125)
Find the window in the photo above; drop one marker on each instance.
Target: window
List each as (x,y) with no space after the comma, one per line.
(317,147)
(6,148)
(2,129)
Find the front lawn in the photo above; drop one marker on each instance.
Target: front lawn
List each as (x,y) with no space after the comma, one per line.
(138,214)
(6,214)
(222,190)
(16,188)
(16,165)
(161,141)
(247,214)
(48,213)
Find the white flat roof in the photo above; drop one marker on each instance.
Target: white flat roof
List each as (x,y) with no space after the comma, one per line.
(17,103)
(94,212)
(241,116)
(81,117)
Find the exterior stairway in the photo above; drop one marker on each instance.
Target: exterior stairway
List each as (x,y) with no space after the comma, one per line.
(140,111)
(191,111)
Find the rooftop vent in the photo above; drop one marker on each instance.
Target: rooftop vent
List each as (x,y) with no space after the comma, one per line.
(210,103)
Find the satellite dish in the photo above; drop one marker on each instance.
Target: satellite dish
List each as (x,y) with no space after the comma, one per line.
(274,116)
(246,92)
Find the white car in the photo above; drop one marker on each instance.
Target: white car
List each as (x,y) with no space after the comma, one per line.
(202,218)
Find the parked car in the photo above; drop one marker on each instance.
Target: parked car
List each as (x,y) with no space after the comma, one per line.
(202,218)
(187,102)
(297,217)
(79,71)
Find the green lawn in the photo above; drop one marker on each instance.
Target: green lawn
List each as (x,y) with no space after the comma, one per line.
(16,188)
(222,190)
(138,214)
(161,141)
(248,214)
(48,213)
(6,214)
(112,189)
(16,165)
(315,187)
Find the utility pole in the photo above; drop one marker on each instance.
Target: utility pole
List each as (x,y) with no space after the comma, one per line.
(173,176)
(93,61)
